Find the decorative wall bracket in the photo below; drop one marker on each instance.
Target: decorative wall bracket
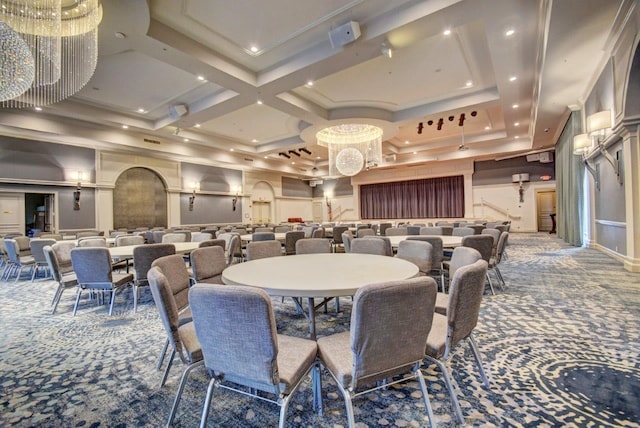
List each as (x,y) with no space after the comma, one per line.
(612,161)
(595,172)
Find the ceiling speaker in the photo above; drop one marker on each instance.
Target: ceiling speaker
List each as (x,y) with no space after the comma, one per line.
(344,34)
(177,111)
(546,157)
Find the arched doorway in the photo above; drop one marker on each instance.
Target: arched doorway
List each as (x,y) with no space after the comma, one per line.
(139,200)
(262,197)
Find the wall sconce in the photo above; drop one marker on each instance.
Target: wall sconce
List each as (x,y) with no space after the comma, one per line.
(327,200)
(597,126)
(520,178)
(582,144)
(234,201)
(78,176)
(195,186)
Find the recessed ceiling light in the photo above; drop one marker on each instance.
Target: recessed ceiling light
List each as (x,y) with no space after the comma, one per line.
(510,32)
(318,157)
(486,128)
(38,108)
(254,141)
(259,102)
(515,106)
(516,124)
(469,84)
(516,137)
(230,150)
(186,140)
(253,49)
(197,125)
(141,110)
(266,157)
(201,78)
(293,163)
(446,32)
(513,79)
(125,127)
(309,82)
(406,142)
(415,153)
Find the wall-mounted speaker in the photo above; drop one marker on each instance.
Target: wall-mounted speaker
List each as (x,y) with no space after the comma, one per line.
(177,111)
(344,34)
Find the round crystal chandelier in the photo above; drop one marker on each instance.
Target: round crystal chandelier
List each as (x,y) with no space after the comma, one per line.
(17,68)
(62,36)
(351,146)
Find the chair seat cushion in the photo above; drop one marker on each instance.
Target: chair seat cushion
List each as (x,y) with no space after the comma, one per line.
(436,342)
(69,280)
(295,356)
(442,301)
(190,342)
(217,279)
(120,279)
(27,260)
(335,352)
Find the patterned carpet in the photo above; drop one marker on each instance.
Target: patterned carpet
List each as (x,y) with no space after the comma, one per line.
(561,347)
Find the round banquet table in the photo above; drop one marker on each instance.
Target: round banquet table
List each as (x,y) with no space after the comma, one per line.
(249,237)
(447,241)
(318,275)
(126,251)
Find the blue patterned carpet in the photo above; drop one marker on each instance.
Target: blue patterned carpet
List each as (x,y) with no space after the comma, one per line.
(561,347)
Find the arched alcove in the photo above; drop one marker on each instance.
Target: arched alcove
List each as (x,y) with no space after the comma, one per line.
(139,200)
(262,203)
(632,106)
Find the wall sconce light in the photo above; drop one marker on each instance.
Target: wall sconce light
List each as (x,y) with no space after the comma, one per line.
(582,144)
(195,186)
(327,200)
(597,126)
(78,176)
(520,178)
(234,201)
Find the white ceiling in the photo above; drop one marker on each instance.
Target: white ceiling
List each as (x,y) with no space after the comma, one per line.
(555,52)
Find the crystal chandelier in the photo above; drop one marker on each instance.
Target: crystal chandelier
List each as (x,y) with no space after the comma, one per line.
(16,64)
(62,36)
(351,147)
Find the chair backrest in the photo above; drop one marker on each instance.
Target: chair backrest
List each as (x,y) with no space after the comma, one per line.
(157,236)
(382,228)
(200,236)
(175,270)
(281,229)
(369,246)
(502,242)
(436,249)
(462,231)
(144,255)
(235,248)
(462,256)
(396,231)
(92,242)
(413,230)
(419,253)
(502,228)
(174,237)
(482,243)
(92,265)
(123,240)
(308,231)
(239,230)
(263,249)
(387,244)
(446,230)
(262,229)
(163,297)
(186,233)
(263,236)
(390,323)
(63,254)
(290,239)
(13,252)
(431,230)
(337,233)
(212,243)
(347,237)
(249,355)
(465,297)
(495,233)
(37,246)
(318,233)
(55,236)
(361,233)
(87,234)
(207,263)
(444,223)
(23,245)
(313,246)
(52,262)
(477,228)
(116,233)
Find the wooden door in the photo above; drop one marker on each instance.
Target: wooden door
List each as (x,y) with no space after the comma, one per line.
(546,205)
(317,212)
(261,212)
(12,213)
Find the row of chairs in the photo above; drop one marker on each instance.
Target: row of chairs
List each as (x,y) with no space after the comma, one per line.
(232,331)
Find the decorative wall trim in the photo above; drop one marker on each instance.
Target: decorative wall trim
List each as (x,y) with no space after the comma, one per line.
(44,182)
(620,224)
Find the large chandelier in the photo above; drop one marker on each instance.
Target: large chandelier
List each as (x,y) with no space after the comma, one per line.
(351,147)
(17,68)
(62,36)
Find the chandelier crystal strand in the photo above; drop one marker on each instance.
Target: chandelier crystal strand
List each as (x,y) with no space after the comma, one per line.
(78,35)
(16,64)
(362,138)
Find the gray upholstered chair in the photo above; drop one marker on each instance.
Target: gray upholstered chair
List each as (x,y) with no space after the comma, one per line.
(263,249)
(37,252)
(116,233)
(413,230)
(417,252)
(382,228)
(64,280)
(92,241)
(446,230)
(200,236)
(390,323)
(87,234)
(308,231)
(477,228)
(437,270)
(290,239)
(143,257)
(234,250)
(368,246)
(262,229)
(495,261)
(24,249)
(313,246)
(465,297)
(207,264)
(484,245)
(17,263)
(263,236)
(175,270)
(362,232)
(336,241)
(318,233)
(281,229)
(55,236)
(92,266)
(387,244)
(186,233)
(431,230)
(212,243)
(462,256)
(347,237)
(170,238)
(495,233)
(396,231)
(180,335)
(236,328)
(463,231)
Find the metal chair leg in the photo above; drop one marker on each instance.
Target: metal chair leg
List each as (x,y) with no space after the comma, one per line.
(183,381)
(493,292)
(166,370)
(452,393)
(207,403)
(164,352)
(75,307)
(476,354)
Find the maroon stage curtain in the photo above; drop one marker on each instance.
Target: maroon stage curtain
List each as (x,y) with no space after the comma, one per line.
(427,198)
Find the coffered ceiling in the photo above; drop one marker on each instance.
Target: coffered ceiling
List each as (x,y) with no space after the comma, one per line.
(257,78)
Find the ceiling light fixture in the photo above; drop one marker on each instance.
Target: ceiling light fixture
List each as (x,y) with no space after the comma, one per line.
(37,108)
(309,82)
(186,140)
(64,49)
(469,84)
(284,155)
(515,106)
(386,50)
(513,79)
(253,49)
(197,125)
(293,152)
(201,78)
(125,126)
(510,32)
(259,102)
(304,150)
(141,110)
(516,124)
(351,147)
(232,149)
(17,69)
(447,32)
